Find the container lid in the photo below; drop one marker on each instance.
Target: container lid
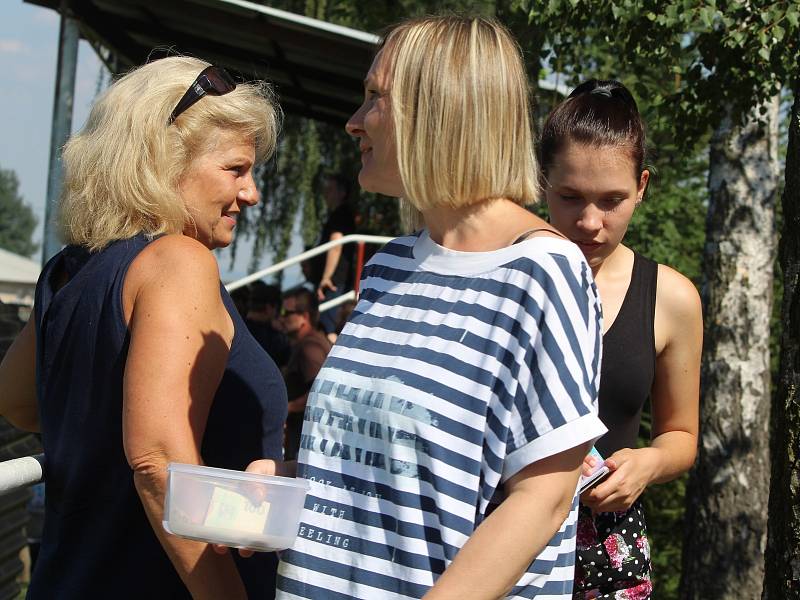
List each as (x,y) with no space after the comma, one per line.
(238,475)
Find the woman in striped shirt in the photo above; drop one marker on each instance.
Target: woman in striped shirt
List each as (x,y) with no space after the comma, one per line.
(469,367)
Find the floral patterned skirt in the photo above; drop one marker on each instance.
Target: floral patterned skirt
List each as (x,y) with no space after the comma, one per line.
(613,556)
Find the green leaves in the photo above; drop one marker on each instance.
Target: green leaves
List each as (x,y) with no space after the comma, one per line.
(793,15)
(671,15)
(682,58)
(726,51)
(17,220)
(706,14)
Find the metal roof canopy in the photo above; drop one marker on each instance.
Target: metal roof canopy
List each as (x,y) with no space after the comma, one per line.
(317,67)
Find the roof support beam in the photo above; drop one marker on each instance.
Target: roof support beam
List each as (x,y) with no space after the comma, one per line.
(68,38)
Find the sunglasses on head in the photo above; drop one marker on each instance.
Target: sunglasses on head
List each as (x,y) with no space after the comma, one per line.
(212,80)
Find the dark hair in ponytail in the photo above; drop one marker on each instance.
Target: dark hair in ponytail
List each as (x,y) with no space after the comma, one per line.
(597,113)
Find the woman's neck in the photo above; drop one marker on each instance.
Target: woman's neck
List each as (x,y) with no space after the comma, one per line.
(481,227)
(614,265)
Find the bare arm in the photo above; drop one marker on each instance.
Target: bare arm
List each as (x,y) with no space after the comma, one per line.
(675,400)
(178,350)
(18,402)
(331,262)
(495,557)
(298,404)
(676,389)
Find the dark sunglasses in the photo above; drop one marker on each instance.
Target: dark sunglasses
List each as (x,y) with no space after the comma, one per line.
(212,80)
(286,312)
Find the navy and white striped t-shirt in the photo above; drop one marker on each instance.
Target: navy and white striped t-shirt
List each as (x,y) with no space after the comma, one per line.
(456,370)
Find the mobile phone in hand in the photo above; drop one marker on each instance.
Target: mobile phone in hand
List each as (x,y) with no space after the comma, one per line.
(599,473)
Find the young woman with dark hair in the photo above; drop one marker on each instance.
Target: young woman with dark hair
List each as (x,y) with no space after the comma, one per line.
(592,156)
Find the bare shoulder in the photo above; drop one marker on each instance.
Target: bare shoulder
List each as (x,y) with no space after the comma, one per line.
(173,269)
(174,259)
(677,297)
(178,253)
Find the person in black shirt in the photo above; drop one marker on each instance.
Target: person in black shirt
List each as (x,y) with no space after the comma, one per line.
(309,348)
(336,269)
(593,153)
(262,316)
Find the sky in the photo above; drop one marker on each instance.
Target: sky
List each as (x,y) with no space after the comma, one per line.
(28,51)
(28,54)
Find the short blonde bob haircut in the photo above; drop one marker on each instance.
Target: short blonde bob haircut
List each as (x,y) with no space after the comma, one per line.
(461,111)
(122,170)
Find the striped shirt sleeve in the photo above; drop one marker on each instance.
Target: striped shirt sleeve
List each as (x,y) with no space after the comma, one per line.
(555,402)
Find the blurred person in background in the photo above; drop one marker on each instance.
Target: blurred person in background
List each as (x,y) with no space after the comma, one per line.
(263,320)
(136,356)
(241,299)
(345,309)
(335,267)
(309,348)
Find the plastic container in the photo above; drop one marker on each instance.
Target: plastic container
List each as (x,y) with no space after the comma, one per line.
(234,508)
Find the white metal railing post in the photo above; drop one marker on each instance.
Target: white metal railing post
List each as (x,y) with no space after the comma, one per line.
(21,472)
(329,304)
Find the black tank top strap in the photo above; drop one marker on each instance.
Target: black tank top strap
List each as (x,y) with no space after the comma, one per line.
(525,235)
(648,279)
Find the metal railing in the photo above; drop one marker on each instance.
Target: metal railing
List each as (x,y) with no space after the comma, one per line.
(21,472)
(28,470)
(360,239)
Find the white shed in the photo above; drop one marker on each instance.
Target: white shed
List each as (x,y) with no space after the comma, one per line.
(18,275)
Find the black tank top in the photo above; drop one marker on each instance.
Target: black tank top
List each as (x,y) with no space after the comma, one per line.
(629,360)
(97,541)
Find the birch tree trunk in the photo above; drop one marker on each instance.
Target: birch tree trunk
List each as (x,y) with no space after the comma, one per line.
(782,577)
(726,513)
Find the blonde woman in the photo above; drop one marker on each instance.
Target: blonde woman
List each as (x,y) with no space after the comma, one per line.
(469,366)
(140,356)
